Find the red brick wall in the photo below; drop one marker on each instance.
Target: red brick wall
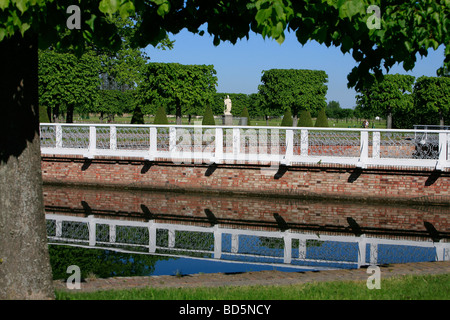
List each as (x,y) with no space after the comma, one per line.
(386,184)
(329,217)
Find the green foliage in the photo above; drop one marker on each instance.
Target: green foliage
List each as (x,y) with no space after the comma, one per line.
(305,119)
(245,114)
(101,263)
(294,89)
(408,287)
(138,117)
(208,117)
(67,82)
(407,28)
(287,119)
(114,102)
(160,116)
(432,95)
(43,115)
(322,120)
(393,92)
(184,89)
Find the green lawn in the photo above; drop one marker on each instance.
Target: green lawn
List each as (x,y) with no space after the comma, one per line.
(428,287)
(341,123)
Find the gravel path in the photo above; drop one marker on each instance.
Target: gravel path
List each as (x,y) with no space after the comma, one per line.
(256,278)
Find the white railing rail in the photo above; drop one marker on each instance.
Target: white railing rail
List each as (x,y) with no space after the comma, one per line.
(233,244)
(250,144)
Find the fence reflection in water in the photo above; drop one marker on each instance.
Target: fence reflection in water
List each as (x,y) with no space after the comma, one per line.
(282,247)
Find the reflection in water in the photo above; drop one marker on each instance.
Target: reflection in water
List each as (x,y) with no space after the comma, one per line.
(143,233)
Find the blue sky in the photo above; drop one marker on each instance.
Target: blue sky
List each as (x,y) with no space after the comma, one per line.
(239,67)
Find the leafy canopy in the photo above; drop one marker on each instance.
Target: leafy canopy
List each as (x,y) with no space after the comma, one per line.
(393,92)
(407,28)
(294,89)
(187,87)
(66,80)
(432,94)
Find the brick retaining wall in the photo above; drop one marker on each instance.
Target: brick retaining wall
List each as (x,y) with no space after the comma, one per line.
(319,181)
(329,217)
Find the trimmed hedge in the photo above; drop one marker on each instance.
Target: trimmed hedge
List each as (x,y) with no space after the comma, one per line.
(305,119)
(161,117)
(138,116)
(244,114)
(208,117)
(322,120)
(287,119)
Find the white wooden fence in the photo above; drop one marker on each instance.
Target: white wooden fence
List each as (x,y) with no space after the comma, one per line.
(250,144)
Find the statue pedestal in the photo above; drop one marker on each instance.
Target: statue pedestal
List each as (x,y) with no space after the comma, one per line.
(227,119)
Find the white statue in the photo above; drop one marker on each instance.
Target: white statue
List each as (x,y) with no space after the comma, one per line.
(227,103)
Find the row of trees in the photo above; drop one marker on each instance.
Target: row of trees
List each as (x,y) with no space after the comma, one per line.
(405,100)
(89,84)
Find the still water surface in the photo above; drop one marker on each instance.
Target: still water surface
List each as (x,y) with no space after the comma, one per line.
(125,233)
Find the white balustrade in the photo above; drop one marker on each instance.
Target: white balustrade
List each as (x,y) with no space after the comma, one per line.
(249,144)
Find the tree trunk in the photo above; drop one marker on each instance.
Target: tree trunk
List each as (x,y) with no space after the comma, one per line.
(25,271)
(294,120)
(69,116)
(441,118)
(49,114)
(178,114)
(389,119)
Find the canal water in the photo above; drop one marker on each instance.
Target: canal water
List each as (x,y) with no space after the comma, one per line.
(109,232)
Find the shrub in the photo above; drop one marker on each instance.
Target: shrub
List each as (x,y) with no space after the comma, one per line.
(208,117)
(322,120)
(161,117)
(287,119)
(43,115)
(305,119)
(244,114)
(138,117)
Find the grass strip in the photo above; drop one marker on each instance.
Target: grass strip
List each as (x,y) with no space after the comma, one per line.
(425,287)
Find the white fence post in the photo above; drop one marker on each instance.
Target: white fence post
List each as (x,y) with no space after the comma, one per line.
(218,152)
(364,150)
(442,151)
(236,143)
(112,233)
(113,138)
(234,243)
(217,242)
(287,238)
(151,236)
(92,142)
(448,147)
(92,227)
(304,143)
(376,145)
(58,136)
(289,146)
(153,144)
(362,250)
(172,139)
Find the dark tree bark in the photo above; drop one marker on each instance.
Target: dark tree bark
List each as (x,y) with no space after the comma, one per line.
(25,271)
(69,115)
(178,113)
